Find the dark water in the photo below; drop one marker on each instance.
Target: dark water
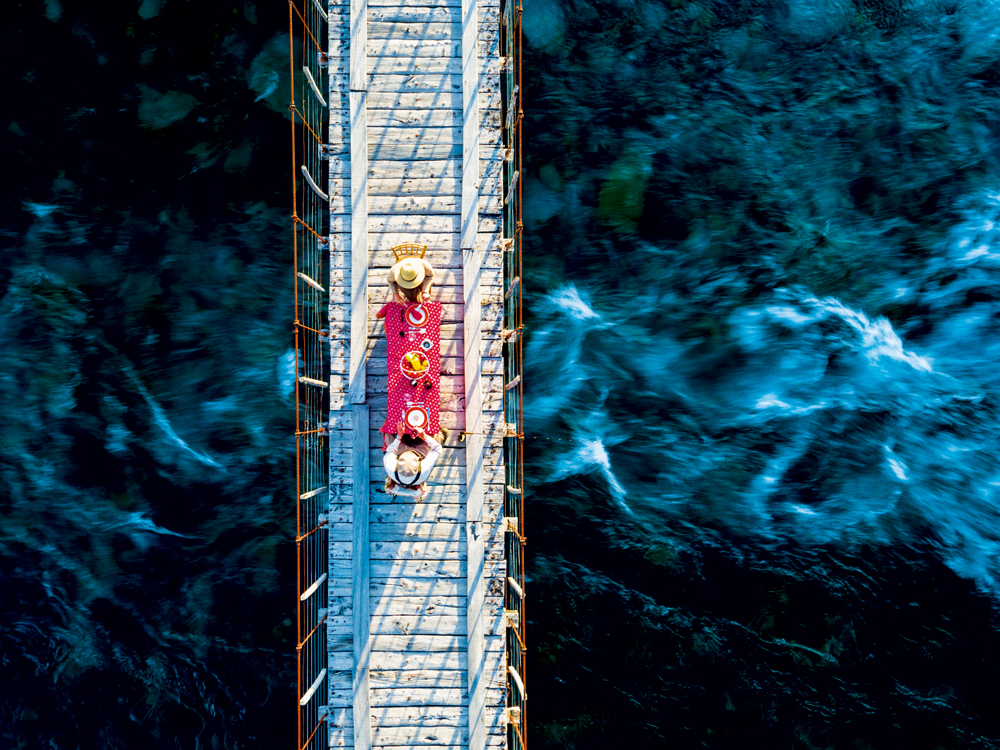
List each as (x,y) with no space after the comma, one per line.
(762,382)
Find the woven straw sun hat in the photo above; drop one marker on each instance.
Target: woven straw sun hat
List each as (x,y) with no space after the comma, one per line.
(408,273)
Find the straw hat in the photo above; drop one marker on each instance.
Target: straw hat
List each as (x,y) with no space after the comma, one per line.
(408,273)
(408,465)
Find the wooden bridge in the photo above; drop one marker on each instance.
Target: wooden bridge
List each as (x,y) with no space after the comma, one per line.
(411,629)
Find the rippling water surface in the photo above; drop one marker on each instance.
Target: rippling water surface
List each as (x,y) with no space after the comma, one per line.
(763,396)
(764,247)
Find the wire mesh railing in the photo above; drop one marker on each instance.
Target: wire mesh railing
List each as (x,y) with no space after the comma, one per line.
(513,349)
(310,208)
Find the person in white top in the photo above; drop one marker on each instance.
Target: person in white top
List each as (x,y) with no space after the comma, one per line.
(409,462)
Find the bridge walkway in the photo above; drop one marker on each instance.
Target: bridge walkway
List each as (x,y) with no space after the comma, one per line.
(415,626)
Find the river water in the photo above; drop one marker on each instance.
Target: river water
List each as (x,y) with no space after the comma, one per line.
(763,246)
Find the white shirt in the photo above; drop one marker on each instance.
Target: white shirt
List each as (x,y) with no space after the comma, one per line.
(389,460)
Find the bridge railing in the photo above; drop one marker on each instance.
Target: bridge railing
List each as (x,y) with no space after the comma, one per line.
(511,116)
(310,207)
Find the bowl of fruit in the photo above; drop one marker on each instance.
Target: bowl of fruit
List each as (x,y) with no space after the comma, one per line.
(414,365)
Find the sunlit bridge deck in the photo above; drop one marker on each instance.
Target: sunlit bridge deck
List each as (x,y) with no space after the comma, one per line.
(421,606)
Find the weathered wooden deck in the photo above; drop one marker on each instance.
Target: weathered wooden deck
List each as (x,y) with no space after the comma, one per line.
(415,627)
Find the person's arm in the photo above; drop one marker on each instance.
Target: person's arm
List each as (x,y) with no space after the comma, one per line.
(428,464)
(389,457)
(393,289)
(425,287)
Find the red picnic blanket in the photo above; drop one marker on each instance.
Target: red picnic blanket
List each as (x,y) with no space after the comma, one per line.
(413,361)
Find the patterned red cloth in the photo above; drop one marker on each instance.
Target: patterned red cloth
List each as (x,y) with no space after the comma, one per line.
(413,330)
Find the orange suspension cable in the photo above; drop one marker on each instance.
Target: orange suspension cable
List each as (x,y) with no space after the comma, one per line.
(305,25)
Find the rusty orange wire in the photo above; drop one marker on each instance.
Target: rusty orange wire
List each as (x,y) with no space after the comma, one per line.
(296,219)
(305,25)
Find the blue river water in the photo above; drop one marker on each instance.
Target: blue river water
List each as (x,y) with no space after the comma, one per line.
(762,263)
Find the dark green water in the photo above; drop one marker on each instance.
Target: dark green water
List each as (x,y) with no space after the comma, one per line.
(762,390)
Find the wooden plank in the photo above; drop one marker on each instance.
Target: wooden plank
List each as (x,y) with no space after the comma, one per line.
(341,625)
(342,738)
(423,716)
(412,48)
(490,166)
(406,133)
(358,225)
(341,641)
(449,530)
(422,549)
(419,568)
(434,99)
(342,516)
(414,14)
(385,604)
(438,625)
(426,135)
(429,186)
(488,47)
(491,535)
(414,152)
(470,124)
(423,66)
(433,3)
(340,680)
(340,699)
(398,531)
(430,697)
(418,606)
(416,118)
(341,717)
(430,511)
(360,571)
(429,31)
(432,660)
(340,661)
(395,588)
(382,223)
(341,586)
(423,678)
(445,254)
(492,741)
(418,513)
(407,716)
(407,644)
(359,46)
(407,84)
(472,263)
(442,736)
(341,606)
(413,203)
